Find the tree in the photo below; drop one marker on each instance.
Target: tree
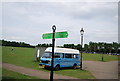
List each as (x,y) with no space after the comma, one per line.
(91,47)
(110,46)
(101,47)
(16,44)
(78,47)
(116,47)
(86,48)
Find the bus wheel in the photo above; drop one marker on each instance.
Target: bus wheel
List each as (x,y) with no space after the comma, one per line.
(57,67)
(74,66)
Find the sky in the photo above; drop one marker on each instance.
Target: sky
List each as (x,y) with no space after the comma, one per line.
(27,21)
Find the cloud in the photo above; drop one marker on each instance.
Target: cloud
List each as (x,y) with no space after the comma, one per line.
(28,21)
(60,1)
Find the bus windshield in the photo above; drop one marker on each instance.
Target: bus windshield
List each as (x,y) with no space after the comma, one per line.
(47,55)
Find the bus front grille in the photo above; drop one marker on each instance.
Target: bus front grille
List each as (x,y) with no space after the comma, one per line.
(44,61)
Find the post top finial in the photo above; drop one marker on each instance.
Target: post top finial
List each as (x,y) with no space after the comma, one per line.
(54,27)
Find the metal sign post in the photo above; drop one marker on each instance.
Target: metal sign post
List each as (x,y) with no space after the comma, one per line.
(53,44)
(53,36)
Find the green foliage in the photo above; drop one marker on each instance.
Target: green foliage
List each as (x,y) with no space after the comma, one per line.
(15,44)
(44,45)
(78,46)
(100,47)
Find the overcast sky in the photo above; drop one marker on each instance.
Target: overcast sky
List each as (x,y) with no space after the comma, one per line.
(27,21)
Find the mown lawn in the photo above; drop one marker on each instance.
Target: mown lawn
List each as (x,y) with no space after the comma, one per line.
(25,57)
(19,56)
(98,57)
(82,74)
(7,74)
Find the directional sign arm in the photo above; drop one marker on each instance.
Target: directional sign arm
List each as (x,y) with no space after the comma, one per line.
(47,36)
(57,35)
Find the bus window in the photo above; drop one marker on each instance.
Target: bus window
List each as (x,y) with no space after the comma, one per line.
(57,55)
(75,56)
(68,55)
(46,55)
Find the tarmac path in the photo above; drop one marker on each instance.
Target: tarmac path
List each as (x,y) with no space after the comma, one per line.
(101,70)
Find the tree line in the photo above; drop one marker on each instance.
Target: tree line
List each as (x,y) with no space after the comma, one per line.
(15,44)
(92,47)
(44,45)
(102,47)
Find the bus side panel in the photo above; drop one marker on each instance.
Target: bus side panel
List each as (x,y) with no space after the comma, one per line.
(60,61)
(66,62)
(56,61)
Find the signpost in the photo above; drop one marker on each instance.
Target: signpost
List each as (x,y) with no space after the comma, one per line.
(53,36)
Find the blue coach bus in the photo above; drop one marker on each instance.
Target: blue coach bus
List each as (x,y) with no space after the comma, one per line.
(63,57)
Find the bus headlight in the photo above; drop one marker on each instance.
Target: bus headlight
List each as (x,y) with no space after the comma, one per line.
(48,62)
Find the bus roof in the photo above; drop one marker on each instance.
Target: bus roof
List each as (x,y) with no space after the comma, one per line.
(62,50)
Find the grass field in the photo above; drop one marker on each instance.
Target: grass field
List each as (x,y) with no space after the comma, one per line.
(19,56)
(98,57)
(82,74)
(7,74)
(25,57)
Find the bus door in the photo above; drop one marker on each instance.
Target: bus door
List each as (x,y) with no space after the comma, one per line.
(56,58)
(62,60)
(68,60)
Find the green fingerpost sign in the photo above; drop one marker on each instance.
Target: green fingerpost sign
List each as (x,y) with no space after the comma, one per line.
(57,35)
